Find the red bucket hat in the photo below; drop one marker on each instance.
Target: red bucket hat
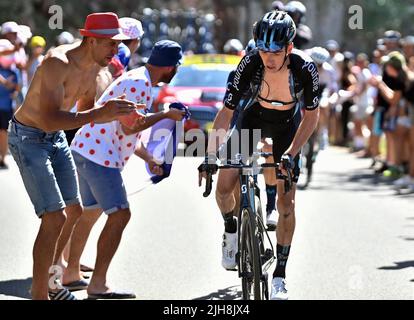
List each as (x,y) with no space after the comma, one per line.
(103,25)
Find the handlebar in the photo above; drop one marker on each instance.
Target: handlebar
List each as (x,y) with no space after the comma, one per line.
(287,178)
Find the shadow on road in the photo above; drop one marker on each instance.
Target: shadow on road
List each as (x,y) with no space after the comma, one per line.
(399,265)
(407,238)
(16,288)
(231,293)
(358,180)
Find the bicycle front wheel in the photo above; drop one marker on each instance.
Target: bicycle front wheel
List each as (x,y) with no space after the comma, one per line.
(250,262)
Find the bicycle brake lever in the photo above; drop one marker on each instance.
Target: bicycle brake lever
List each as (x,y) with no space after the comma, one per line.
(209,182)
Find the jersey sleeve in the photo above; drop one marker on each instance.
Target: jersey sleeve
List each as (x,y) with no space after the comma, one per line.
(239,79)
(229,83)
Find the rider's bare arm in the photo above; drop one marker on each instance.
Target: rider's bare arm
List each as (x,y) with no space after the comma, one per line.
(305,130)
(220,128)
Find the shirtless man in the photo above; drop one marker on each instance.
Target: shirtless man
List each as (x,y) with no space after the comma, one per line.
(36,140)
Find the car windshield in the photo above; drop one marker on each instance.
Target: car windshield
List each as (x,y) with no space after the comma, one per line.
(201,76)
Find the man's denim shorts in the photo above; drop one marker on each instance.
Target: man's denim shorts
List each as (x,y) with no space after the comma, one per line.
(46,166)
(100,187)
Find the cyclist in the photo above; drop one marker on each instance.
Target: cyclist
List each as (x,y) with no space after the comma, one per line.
(297,11)
(270,178)
(328,85)
(282,80)
(233,46)
(278,5)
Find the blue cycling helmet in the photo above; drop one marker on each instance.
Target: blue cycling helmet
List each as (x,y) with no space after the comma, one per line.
(274,31)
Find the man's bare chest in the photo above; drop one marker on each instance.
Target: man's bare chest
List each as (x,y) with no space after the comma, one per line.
(277,87)
(77,84)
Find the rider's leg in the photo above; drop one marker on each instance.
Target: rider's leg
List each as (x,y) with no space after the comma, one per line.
(284,233)
(285,227)
(270,180)
(226,200)
(285,201)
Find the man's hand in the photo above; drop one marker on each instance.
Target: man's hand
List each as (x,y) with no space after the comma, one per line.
(113,109)
(131,122)
(209,166)
(175,114)
(8,83)
(155,168)
(287,162)
(375,81)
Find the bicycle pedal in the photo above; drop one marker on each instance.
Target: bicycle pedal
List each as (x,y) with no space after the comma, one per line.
(271,228)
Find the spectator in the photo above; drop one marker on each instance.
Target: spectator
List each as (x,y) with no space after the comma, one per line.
(392,40)
(297,11)
(37,46)
(65,38)
(391,88)
(362,100)
(278,5)
(8,87)
(408,47)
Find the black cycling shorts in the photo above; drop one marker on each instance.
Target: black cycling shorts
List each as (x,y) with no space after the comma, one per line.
(5,117)
(258,123)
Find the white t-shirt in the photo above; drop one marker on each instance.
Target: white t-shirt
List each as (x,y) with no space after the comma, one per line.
(363,77)
(336,62)
(106,144)
(327,78)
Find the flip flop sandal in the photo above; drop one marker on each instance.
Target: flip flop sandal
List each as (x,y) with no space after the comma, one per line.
(77,285)
(112,295)
(62,294)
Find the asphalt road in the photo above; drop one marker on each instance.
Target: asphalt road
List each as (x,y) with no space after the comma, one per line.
(354,237)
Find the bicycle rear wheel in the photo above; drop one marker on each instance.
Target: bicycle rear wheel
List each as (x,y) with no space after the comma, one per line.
(250,261)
